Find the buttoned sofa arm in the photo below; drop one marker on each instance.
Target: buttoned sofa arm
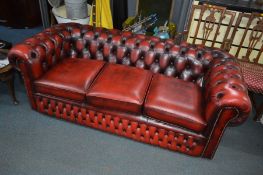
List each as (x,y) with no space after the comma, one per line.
(226,98)
(44,50)
(225,89)
(36,55)
(41,51)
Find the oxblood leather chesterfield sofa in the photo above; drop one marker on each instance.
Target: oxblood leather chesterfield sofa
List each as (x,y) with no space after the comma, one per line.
(176,97)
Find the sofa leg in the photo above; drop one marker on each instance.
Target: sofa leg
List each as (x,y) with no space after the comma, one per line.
(258,108)
(259,112)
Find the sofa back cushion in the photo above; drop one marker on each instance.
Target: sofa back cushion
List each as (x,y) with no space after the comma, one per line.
(183,61)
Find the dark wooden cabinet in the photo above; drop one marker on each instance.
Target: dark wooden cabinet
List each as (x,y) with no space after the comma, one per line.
(20,13)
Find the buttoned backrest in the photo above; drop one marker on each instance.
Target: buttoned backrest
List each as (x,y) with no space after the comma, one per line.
(187,62)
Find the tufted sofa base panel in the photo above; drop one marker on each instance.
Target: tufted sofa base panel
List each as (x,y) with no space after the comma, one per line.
(134,127)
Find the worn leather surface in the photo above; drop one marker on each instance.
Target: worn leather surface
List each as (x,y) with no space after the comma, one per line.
(225,88)
(120,87)
(69,79)
(224,100)
(49,47)
(177,102)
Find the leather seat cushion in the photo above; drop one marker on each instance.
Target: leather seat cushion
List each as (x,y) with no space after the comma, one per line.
(120,88)
(176,102)
(69,79)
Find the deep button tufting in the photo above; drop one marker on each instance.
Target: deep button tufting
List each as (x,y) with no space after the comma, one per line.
(76,33)
(109,39)
(183,50)
(85,53)
(144,46)
(175,50)
(170,71)
(123,40)
(199,54)
(103,37)
(89,35)
(130,43)
(219,95)
(96,35)
(140,63)
(186,75)
(222,85)
(225,87)
(152,44)
(140,36)
(155,67)
(127,34)
(79,44)
(159,48)
(180,63)
(184,61)
(116,40)
(33,54)
(135,55)
(149,57)
(121,52)
(164,61)
(197,67)
(126,60)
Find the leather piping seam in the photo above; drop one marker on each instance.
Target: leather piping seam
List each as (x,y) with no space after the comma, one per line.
(180,127)
(146,94)
(56,88)
(209,138)
(95,77)
(167,113)
(150,79)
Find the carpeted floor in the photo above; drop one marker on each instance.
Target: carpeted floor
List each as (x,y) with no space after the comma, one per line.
(32,143)
(17,35)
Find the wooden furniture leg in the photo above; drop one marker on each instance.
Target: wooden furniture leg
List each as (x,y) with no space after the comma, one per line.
(7,76)
(11,89)
(259,112)
(258,108)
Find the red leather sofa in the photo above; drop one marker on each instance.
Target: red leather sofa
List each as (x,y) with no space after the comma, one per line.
(178,97)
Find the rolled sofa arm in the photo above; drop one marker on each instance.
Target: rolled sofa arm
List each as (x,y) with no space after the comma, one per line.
(20,57)
(226,98)
(226,89)
(34,56)
(41,51)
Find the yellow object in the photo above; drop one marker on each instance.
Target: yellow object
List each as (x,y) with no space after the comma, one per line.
(172,29)
(103,14)
(128,22)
